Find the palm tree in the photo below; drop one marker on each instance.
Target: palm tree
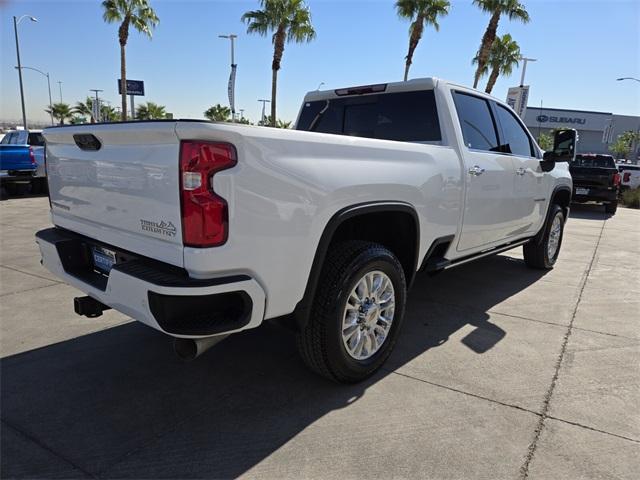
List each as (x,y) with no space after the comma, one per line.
(504,55)
(290,20)
(85,109)
(218,113)
(513,9)
(420,12)
(60,111)
(128,12)
(108,113)
(150,111)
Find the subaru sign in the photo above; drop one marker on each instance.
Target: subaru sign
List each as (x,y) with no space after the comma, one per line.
(134,87)
(564,120)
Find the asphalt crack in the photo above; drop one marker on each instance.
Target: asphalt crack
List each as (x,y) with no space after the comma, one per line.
(46,448)
(531,451)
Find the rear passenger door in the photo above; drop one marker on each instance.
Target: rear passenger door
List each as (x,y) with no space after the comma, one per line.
(489,212)
(529,198)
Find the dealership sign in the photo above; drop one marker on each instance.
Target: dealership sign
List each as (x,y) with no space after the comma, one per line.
(134,87)
(563,120)
(517,98)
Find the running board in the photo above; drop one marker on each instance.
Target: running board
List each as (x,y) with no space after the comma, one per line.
(445,264)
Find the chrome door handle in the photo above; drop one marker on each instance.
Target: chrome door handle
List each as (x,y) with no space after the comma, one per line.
(476,170)
(521,171)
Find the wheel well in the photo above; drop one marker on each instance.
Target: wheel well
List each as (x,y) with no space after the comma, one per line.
(563,198)
(396,230)
(392,224)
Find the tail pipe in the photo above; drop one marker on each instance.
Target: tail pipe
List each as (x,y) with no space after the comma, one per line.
(189,349)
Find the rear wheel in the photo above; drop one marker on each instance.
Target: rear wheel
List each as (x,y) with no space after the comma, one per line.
(36,186)
(543,250)
(611,208)
(357,312)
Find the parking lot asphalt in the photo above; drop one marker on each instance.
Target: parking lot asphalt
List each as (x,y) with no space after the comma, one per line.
(500,372)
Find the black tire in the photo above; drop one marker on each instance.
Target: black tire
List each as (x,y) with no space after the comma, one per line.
(536,252)
(320,342)
(23,188)
(11,189)
(611,208)
(36,186)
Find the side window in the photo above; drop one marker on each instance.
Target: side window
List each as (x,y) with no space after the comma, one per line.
(516,140)
(476,121)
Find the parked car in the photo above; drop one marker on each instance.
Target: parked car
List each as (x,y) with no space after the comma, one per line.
(630,176)
(22,160)
(595,179)
(322,228)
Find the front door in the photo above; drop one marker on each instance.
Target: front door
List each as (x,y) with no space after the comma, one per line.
(528,186)
(489,210)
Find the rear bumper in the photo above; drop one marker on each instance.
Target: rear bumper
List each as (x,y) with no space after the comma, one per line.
(594,194)
(17,176)
(154,293)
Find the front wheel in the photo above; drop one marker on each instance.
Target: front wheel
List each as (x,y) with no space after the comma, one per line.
(356,314)
(543,250)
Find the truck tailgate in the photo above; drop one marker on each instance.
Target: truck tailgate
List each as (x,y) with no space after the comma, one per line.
(592,176)
(16,157)
(126,192)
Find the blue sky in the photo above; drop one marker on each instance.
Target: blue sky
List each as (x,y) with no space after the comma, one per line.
(581,47)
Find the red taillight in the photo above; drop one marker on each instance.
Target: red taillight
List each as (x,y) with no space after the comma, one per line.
(616,179)
(626,177)
(32,156)
(205,216)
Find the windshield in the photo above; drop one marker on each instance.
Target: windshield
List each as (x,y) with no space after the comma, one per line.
(36,139)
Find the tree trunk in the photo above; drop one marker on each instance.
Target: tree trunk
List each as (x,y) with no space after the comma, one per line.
(123,82)
(485,46)
(492,79)
(123,35)
(414,38)
(274,89)
(278,51)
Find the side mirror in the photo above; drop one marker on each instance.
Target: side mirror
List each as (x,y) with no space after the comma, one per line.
(564,146)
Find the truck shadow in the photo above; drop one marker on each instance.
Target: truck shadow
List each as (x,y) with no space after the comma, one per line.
(117,403)
(588,211)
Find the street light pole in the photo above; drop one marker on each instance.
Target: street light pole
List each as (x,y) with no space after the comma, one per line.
(60,85)
(16,21)
(264,102)
(232,77)
(96,108)
(524,68)
(628,78)
(48,86)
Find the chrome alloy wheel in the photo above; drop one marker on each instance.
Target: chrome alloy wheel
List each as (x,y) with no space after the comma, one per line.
(368,315)
(554,237)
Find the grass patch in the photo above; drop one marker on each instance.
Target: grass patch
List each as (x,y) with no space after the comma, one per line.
(631,198)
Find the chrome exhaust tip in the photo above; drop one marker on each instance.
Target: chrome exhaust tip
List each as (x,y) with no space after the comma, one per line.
(188,349)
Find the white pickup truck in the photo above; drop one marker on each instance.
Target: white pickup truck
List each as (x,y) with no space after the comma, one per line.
(203,229)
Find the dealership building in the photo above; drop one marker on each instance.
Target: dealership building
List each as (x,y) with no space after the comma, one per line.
(596,130)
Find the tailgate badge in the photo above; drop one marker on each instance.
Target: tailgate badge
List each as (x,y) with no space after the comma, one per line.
(167,229)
